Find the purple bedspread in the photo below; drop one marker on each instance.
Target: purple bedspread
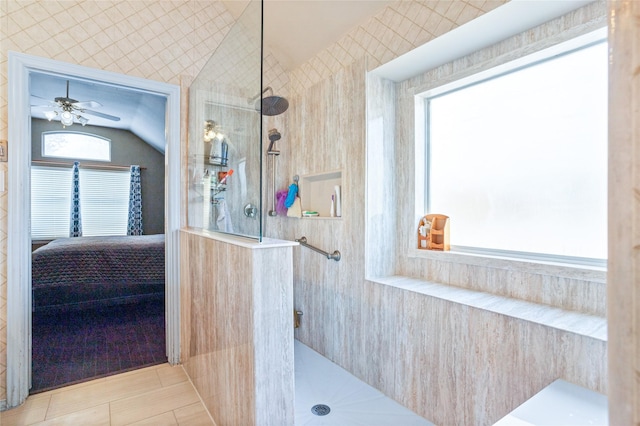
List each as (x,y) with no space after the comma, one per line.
(85,270)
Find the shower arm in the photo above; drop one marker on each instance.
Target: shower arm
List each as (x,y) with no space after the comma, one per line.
(255,98)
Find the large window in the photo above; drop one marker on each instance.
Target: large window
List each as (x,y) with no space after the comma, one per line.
(104,201)
(517,158)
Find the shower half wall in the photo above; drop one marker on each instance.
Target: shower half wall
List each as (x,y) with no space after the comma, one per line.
(237,327)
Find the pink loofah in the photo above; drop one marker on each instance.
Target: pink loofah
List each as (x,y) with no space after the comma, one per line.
(280,197)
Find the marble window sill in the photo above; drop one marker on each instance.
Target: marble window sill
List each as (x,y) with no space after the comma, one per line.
(591,326)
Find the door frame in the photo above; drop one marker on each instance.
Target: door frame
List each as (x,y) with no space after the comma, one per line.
(19,209)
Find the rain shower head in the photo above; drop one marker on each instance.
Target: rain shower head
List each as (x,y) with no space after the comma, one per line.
(271,105)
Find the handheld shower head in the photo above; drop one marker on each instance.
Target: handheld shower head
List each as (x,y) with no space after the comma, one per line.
(271,105)
(274,136)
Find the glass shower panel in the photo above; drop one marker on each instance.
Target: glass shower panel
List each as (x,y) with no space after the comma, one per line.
(225,137)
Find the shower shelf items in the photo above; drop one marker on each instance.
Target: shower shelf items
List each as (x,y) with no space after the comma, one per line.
(316,191)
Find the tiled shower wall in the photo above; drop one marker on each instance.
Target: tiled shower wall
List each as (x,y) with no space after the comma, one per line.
(624,210)
(450,362)
(156,40)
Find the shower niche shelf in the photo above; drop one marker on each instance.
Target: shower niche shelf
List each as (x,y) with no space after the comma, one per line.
(316,191)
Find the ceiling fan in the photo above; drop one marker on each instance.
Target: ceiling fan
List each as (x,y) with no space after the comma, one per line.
(70,110)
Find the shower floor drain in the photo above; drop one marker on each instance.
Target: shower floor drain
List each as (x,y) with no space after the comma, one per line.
(320,410)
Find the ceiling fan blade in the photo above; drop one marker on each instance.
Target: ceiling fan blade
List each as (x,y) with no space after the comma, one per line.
(87,104)
(102,115)
(49,101)
(42,107)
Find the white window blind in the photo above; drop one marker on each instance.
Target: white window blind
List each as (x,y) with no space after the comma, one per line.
(104,202)
(50,202)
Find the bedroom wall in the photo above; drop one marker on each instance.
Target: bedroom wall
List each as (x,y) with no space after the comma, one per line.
(167,41)
(126,149)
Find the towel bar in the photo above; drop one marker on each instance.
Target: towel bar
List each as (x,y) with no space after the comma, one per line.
(335,255)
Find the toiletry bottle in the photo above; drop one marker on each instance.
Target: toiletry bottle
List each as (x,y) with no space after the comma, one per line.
(225,152)
(332,210)
(336,189)
(215,154)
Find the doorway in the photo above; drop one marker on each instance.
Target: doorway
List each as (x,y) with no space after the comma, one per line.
(19,240)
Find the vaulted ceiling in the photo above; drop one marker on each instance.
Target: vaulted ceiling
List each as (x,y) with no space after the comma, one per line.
(294,31)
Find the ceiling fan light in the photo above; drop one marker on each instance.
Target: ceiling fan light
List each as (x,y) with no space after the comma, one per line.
(66,118)
(50,115)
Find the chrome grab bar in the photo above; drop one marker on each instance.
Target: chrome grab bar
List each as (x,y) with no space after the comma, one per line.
(335,255)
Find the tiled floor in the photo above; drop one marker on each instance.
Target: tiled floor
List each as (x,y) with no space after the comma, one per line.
(163,395)
(158,395)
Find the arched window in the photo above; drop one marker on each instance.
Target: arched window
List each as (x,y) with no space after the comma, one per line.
(76,146)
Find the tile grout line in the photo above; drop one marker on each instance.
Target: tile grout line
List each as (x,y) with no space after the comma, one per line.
(46,413)
(199,397)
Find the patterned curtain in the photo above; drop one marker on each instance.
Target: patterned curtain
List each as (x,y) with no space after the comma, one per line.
(134,226)
(75,224)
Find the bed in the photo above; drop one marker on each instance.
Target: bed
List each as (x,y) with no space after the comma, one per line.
(86,272)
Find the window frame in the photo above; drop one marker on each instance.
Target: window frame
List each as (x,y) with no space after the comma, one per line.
(423,160)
